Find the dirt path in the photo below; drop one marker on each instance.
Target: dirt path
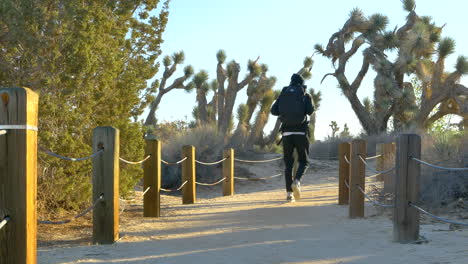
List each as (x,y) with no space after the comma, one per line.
(257,226)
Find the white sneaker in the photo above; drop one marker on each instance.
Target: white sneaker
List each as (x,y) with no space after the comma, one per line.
(290,197)
(296,186)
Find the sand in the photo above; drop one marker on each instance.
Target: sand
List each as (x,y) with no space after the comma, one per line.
(256,225)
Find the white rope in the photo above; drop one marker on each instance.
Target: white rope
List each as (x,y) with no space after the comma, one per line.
(346,159)
(72,159)
(4,222)
(373,201)
(437,217)
(135,162)
(210,163)
(262,178)
(374,170)
(18,127)
(346,183)
(257,161)
(147,189)
(439,167)
(76,217)
(175,190)
(373,157)
(211,184)
(3,132)
(131,200)
(173,163)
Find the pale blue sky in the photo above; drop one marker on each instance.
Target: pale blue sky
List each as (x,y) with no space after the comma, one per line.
(282,33)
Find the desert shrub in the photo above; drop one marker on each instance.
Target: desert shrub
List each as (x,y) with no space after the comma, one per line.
(448,149)
(208,145)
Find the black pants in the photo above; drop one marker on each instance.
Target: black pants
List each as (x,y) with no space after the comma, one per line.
(301,144)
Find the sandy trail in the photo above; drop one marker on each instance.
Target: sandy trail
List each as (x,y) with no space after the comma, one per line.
(258,226)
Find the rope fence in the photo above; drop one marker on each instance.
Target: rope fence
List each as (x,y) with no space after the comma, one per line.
(106,173)
(173,163)
(439,167)
(436,217)
(346,159)
(101,198)
(257,161)
(374,202)
(211,184)
(175,190)
(373,157)
(374,170)
(4,222)
(135,162)
(210,163)
(70,159)
(261,178)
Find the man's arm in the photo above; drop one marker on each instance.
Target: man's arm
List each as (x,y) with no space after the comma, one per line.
(275,108)
(309,105)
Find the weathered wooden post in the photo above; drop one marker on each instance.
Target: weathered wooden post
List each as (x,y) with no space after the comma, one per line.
(152,179)
(228,172)
(389,162)
(189,195)
(106,185)
(343,174)
(18,175)
(357,178)
(406,219)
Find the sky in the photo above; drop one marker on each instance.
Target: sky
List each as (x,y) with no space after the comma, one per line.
(283,33)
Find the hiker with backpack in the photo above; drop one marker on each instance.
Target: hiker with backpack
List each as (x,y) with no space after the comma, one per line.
(292,106)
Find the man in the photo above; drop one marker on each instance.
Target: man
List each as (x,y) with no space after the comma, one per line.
(292,106)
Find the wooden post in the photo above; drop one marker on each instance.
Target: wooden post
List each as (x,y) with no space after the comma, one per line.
(228,172)
(106,184)
(343,191)
(389,162)
(188,174)
(18,175)
(152,179)
(357,178)
(405,218)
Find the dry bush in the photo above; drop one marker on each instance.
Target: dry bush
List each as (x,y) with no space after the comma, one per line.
(328,149)
(440,187)
(208,145)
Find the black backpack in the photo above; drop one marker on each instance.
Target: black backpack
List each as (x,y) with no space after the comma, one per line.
(291,106)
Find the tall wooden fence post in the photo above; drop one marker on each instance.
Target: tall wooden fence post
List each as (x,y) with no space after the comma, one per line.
(357,178)
(152,179)
(18,175)
(343,191)
(406,219)
(228,172)
(389,162)
(189,194)
(106,184)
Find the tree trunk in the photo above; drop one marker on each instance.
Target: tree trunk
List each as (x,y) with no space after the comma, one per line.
(151,118)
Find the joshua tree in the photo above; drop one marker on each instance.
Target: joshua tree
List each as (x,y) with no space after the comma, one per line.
(316,99)
(159,86)
(256,133)
(241,133)
(334,127)
(227,95)
(202,88)
(415,43)
(204,112)
(345,133)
